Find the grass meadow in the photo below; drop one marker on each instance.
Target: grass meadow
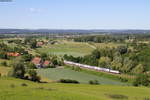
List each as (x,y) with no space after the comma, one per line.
(67,47)
(16,89)
(59,73)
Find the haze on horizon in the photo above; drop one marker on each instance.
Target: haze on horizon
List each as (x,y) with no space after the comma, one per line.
(75,14)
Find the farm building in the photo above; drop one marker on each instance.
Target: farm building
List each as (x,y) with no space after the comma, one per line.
(39,44)
(46,63)
(13,54)
(39,63)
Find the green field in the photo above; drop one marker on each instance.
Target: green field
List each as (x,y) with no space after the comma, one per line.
(67,47)
(12,89)
(105,45)
(4,70)
(59,73)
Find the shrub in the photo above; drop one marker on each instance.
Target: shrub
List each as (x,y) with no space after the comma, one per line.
(33,76)
(31,66)
(123,79)
(51,66)
(12,86)
(4,63)
(146,98)
(93,82)
(68,81)
(142,79)
(18,70)
(77,69)
(24,84)
(117,96)
(40,88)
(26,77)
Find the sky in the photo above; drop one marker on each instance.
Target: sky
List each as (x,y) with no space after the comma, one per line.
(75,14)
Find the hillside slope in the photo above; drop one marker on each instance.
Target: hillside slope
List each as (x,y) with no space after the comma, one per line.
(14,89)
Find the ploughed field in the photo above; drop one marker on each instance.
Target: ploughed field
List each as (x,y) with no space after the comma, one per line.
(60,73)
(16,89)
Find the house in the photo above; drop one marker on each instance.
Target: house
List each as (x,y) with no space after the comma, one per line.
(39,44)
(37,61)
(46,63)
(13,54)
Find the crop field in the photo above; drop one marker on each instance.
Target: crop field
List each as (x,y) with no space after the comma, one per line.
(67,47)
(104,45)
(74,48)
(59,73)
(16,89)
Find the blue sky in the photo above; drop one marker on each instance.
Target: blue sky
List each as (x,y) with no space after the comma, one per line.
(75,14)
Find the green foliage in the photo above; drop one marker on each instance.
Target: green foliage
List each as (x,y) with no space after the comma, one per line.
(101,38)
(24,84)
(122,49)
(18,70)
(127,65)
(44,56)
(33,76)
(30,65)
(139,69)
(142,79)
(68,81)
(4,63)
(146,98)
(93,82)
(3,55)
(76,68)
(96,54)
(27,57)
(104,62)
(31,42)
(117,96)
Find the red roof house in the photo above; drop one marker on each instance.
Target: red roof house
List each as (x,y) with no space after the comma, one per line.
(46,63)
(13,54)
(37,61)
(40,44)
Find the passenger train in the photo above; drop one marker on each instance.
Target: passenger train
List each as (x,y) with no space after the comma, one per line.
(92,67)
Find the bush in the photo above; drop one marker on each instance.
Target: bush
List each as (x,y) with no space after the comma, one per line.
(117,96)
(142,79)
(33,76)
(146,98)
(93,82)
(31,66)
(26,77)
(68,81)
(12,86)
(123,79)
(4,63)
(51,66)
(24,84)
(77,69)
(18,70)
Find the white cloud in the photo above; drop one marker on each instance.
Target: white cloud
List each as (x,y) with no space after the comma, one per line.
(34,10)
(31,9)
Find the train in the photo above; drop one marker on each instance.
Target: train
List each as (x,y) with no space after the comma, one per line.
(92,67)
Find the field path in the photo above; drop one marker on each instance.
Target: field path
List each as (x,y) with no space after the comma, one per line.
(91,45)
